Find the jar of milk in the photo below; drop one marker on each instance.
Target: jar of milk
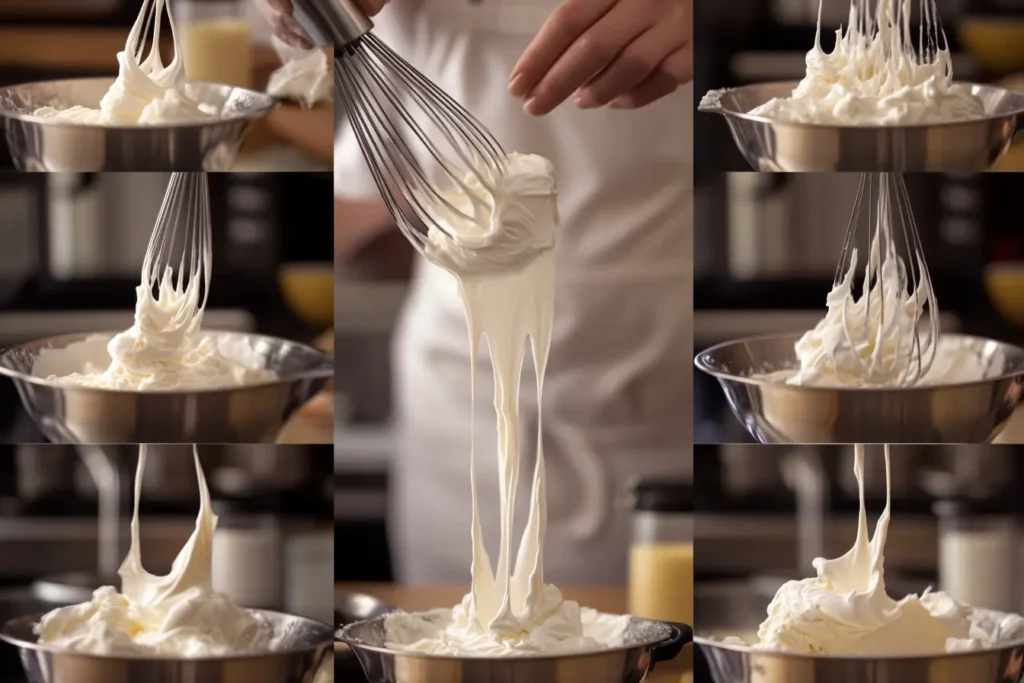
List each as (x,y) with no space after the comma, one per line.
(216,38)
(661,552)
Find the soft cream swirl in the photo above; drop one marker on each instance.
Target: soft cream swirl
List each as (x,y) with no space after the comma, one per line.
(145,91)
(873,340)
(876,77)
(177,615)
(845,610)
(499,226)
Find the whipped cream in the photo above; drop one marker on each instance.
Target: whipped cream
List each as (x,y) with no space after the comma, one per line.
(876,77)
(164,349)
(304,75)
(873,340)
(145,91)
(845,609)
(177,614)
(500,247)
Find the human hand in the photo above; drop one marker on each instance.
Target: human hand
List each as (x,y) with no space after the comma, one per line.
(621,53)
(279,15)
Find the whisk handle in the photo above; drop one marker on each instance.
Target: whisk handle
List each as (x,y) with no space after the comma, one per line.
(331,22)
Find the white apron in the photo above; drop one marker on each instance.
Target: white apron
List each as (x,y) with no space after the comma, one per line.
(618,391)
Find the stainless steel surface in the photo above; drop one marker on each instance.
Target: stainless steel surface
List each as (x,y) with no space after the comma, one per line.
(725,608)
(648,642)
(774,412)
(352,607)
(962,147)
(40,144)
(331,23)
(248,414)
(303,645)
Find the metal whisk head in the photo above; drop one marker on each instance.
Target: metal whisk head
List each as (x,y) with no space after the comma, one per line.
(887,321)
(145,33)
(179,258)
(406,124)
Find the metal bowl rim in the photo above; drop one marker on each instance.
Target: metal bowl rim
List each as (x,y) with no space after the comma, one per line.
(49,649)
(261,112)
(700,361)
(674,632)
(850,127)
(326,372)
(705,641)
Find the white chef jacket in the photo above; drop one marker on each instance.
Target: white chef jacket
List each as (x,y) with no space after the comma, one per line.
(618,391)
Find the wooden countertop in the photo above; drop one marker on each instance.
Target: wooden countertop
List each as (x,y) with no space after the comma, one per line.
(603,598)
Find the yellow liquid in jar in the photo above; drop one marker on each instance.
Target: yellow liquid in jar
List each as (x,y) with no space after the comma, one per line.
(661,581)
(217,51)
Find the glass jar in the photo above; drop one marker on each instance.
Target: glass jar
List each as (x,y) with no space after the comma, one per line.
(978,553)
(247,552)
(661,552)
(216,41)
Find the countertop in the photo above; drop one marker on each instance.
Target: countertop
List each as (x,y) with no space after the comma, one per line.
(604,598)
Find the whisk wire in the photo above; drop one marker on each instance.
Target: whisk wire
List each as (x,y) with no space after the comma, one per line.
(882,202)
(182,228)
(389,104)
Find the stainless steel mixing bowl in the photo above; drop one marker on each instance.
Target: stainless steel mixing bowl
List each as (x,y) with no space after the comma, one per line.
(961,147)
(774,412)
(42,144)
(738,608)
(253,413)
(303,645)
(648,642)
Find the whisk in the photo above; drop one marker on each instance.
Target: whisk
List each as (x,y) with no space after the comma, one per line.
(403,121)
(182,234)
(896,292)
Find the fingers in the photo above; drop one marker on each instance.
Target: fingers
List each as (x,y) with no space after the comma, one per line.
(663,81)
(632,67)
(372,7)
(588,55)
(567,23)
(288,31)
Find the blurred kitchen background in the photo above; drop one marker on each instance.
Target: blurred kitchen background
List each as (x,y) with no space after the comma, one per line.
(763,513)
(224,41)
(72,253)
(741,42)
(65,514)
(766,248)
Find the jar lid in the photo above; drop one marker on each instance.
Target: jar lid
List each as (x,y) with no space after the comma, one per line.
(661,494)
